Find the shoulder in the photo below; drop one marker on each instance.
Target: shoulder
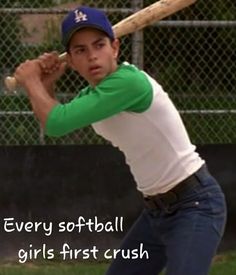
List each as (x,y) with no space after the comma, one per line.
(128,85)
(127,76)
(128,72)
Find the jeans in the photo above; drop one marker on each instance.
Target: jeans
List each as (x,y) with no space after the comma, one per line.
(182,240)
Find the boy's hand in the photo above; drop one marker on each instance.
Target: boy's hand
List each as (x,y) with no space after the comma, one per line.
(52,68)
(27,72)
(47,68)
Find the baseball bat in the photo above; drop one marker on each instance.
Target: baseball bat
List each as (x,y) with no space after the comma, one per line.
(137,21)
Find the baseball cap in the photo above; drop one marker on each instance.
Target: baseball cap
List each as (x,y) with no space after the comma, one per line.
(82,17)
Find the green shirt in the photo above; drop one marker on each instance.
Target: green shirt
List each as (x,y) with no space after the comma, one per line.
(127,89)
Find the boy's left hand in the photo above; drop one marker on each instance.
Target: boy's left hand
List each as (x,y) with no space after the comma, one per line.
(52,68)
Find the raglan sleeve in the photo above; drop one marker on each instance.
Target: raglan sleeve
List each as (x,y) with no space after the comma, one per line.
(120,92)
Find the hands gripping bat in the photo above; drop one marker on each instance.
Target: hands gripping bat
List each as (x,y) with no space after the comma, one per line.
(134,22)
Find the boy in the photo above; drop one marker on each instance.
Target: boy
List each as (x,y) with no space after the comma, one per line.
(184,215)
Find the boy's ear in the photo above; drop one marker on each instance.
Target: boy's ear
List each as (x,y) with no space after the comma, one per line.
(116,47)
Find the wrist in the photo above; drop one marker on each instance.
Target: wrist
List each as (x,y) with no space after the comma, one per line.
(32,85)
(32,82)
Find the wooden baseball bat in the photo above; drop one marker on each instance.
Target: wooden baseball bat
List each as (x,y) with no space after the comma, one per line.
(132,23)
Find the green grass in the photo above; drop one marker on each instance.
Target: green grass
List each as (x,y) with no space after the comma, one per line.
(53,269)
(223,264)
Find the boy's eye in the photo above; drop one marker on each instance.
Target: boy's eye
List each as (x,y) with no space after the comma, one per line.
(100,45)
(79,50)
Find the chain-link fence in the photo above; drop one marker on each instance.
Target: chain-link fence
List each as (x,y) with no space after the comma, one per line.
(191,53)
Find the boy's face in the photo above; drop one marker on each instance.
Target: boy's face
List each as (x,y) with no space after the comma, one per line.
(93,55)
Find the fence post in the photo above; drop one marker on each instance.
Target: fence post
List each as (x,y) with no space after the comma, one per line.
(137,39)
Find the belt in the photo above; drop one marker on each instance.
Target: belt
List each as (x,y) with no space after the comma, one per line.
(163,201)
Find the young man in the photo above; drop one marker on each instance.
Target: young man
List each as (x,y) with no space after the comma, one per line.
(184,216)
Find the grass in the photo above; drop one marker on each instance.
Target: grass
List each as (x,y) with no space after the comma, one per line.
(222,264)
(53,269)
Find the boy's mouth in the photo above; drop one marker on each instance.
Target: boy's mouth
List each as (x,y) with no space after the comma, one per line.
(95,69)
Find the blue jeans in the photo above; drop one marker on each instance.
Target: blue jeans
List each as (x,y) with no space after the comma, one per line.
(183,240)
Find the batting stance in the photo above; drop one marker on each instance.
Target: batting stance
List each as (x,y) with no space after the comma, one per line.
(184,214)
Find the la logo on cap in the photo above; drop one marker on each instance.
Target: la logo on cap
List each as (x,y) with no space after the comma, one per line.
(80,16)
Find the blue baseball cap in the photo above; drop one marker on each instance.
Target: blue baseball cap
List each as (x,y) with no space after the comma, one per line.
(83,17)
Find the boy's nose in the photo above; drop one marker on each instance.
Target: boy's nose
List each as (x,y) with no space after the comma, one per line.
(92,55)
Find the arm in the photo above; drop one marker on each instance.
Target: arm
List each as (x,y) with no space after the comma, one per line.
(41,100)
(125,90)
(38,78)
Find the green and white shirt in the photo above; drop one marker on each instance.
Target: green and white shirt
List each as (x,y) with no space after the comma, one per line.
(131,110)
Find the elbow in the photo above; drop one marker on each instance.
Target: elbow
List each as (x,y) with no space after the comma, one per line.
(55,125)
(54,128)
